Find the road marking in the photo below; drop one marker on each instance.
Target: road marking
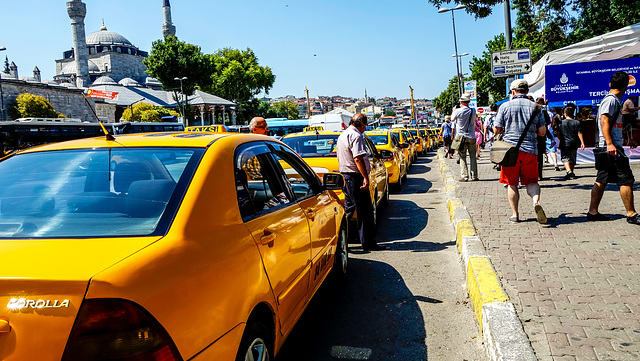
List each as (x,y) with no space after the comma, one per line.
(350,353)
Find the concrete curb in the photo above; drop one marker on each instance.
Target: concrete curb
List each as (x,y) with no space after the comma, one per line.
(502,331)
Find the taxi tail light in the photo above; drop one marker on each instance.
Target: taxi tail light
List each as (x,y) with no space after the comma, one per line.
(115,329)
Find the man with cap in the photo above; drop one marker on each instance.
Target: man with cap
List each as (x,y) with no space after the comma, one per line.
(511,121)
(464,124)
(445,133)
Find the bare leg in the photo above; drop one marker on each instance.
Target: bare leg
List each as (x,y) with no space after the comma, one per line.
(514,197)
(533,189)
(626,192)
(567,166)
(596,196)
(555,158)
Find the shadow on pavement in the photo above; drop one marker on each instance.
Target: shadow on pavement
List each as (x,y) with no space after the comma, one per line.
(373,313)
(563,219)
(402,220)
(416,185)
(419,169)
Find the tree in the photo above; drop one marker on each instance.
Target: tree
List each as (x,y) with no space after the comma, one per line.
(170,59)
(287,109)
(448,98)
(238,77)
(389,113)
(481,72)
(30,105)
(145,112)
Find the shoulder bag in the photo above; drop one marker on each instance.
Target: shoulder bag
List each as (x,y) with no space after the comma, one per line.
(506,154)
(458,139)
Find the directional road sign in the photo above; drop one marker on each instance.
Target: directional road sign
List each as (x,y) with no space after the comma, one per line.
(510,62)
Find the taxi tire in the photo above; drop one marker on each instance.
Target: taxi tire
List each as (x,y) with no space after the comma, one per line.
(341,258)
(255,342)
(385,197)
(398,185)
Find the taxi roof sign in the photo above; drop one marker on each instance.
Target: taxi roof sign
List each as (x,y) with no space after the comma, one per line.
(217,128)
(313,129)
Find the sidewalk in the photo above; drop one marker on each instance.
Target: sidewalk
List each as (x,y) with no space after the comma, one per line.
(575,284)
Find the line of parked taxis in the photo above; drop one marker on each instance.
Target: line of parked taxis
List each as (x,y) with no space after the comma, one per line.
(174,246)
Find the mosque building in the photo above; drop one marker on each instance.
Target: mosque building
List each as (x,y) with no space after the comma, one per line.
(107,61)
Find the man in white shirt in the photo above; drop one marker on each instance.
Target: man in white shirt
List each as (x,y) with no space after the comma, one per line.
(355,168)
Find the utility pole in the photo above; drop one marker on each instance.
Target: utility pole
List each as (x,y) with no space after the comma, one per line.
(308,104)
(413,110)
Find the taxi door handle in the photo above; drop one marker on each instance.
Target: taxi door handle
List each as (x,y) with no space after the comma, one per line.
(310,213)
(268,237)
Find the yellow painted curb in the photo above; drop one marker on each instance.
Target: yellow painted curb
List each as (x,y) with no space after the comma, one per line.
(483,285)
(464,228)
(453,204)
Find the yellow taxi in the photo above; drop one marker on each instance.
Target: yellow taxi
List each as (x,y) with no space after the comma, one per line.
(405,138)
(392,153)
(318,149)
(422,144)
(437,136)
(163,246)
(427,138)
(214,128)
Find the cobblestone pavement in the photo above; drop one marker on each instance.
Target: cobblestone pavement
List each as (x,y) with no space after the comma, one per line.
(574,283)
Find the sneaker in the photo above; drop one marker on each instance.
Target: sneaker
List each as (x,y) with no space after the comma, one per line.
(634,219)
(540,216)
(572,175)
(599,217)
(514,219)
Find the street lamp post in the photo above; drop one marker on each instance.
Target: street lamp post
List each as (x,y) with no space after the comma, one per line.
(461,71)
(184,119)
(2,118)
(455,41)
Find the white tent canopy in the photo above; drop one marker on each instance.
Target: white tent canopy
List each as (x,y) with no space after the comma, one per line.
(618,44)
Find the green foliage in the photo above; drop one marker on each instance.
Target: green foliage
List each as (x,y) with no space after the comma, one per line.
(239,77)
(286,109)
(478,8)
(448,98)
(389,113)
(171,58)
(481,72)
(30,105)
(144,112)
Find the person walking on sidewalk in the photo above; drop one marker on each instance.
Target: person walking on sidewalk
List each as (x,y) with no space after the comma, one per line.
(612,166)
(572,133)
(464,125)
(445,132)
(353,163)
(511,121)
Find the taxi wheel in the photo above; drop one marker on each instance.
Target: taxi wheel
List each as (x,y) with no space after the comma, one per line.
(341,259)
(398,185)
(254,345)
(385,198)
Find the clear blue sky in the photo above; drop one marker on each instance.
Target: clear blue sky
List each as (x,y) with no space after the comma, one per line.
(332,47)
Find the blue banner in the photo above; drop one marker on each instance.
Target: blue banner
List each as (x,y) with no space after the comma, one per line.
(585,84)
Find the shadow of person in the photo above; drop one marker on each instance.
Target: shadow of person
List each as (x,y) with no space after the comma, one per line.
(373,316)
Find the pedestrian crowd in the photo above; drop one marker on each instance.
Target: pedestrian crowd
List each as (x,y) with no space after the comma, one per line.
(537,133)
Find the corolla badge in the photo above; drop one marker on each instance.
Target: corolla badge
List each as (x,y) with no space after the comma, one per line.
(17,304)
(564,78)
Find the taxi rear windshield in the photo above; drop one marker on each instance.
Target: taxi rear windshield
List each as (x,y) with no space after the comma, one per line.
(93,193)
(379,139)
(313,145)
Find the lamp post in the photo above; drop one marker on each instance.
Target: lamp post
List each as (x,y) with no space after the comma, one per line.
(455,41)
(461,73)
(184,119)
(2,118)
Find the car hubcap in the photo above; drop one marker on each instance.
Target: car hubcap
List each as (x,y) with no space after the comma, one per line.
(257,351)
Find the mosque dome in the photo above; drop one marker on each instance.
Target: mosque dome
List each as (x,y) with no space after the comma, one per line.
(104,80)
(128,82)
(71,68)
(106,37)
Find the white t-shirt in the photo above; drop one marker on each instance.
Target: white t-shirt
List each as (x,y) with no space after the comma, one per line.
(350,145)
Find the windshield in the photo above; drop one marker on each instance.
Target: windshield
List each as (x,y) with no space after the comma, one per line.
(312,146)
(379,139)
(93,193)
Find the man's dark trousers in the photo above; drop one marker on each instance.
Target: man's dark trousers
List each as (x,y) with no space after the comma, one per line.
(360,200)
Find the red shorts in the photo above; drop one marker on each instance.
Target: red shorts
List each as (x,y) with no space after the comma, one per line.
(526,170)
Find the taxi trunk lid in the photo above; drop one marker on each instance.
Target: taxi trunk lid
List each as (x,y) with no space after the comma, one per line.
(42,285)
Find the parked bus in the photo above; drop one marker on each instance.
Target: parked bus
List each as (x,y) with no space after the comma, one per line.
(21,135)
(279,128)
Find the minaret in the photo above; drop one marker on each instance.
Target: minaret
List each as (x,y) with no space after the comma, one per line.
(167,27)
(36,74)
(77,11)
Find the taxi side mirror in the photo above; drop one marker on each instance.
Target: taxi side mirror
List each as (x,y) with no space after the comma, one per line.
(333,181)
(386,154)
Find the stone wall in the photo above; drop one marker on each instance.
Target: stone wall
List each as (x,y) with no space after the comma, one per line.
(107,111)
(68,101)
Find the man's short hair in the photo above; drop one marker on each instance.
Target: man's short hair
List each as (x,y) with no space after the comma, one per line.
(570,111)
(540,101)
(493,107)
(358,120)
(619,80)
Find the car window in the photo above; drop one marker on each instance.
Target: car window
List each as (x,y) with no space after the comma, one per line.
(382,139)
(395,140)
(302,180)
(312,146)
(259,184)
(93,192)
(406,134)
(372,151)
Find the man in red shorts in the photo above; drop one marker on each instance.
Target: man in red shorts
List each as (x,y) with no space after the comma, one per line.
(511,121)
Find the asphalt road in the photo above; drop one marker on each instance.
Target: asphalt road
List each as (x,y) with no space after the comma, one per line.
(405,303)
